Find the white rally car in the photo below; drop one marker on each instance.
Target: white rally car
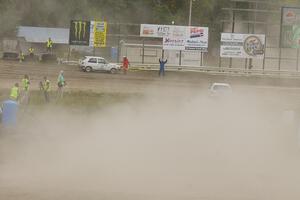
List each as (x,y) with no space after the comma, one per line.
(94,63)
(220,89)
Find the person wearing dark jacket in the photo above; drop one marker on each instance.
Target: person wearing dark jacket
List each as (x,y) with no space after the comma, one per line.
(162,64)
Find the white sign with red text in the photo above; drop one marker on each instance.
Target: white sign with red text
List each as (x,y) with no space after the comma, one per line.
(197,39)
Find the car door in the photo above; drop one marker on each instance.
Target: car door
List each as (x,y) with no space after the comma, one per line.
(101,64)
(93,63)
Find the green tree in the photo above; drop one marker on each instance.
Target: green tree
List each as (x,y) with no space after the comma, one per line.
(58,13)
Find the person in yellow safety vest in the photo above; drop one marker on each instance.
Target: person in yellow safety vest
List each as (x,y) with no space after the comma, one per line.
(31,52)
(45,86)
(25,84)
(15,92)
(49,45)
(21,56)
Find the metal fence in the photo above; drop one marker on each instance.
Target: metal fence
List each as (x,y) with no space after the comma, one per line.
(255,17)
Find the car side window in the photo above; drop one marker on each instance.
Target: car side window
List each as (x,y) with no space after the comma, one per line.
(93,60)
(101,61)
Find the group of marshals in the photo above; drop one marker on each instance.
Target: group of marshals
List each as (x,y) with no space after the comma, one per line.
(49,47)
(15,93)
(22,95)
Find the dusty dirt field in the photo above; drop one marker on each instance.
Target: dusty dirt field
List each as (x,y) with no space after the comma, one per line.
(133,81)
(176,144)
(188,83)
(10,72)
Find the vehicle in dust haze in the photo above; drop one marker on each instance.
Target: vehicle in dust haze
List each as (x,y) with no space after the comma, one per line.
(0,115)
(94,63)
(220,89)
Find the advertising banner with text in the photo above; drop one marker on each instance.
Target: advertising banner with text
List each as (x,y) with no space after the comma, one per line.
(178,37)
(197,39)
(235,45)
(98,34)
(290,29)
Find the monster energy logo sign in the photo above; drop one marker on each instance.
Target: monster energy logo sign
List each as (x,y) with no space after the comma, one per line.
(80,30)
(79,33)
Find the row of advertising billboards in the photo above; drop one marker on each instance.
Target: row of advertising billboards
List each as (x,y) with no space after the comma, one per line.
(93,33)
(233,45)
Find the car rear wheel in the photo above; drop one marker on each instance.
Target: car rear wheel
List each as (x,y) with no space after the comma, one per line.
(88,69)
(113,71)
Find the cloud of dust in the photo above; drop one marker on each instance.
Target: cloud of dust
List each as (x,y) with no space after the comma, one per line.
(165,146)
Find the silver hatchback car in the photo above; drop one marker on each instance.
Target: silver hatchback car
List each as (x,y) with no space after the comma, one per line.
(94,63)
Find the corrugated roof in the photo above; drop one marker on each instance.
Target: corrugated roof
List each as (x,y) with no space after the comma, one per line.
(41,34)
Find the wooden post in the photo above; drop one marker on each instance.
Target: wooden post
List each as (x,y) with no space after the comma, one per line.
(119,40)
(232,30)
(201,58)
(180,54)
(297,67)
(69,53)
(280,40)
(143,52)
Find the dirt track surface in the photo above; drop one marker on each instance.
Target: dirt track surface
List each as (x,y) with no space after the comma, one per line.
(175,83)
(11,72)
(137,81)
(126,160)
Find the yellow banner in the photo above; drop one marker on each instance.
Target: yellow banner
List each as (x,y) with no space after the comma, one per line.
(100,30)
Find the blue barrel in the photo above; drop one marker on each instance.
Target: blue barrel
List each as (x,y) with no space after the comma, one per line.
(114,54)
(9,113)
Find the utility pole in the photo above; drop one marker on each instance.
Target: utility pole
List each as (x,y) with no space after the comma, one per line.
(190,13)
(190,23)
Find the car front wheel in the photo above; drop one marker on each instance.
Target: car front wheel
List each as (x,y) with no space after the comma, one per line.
(88,69)
(113,71)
